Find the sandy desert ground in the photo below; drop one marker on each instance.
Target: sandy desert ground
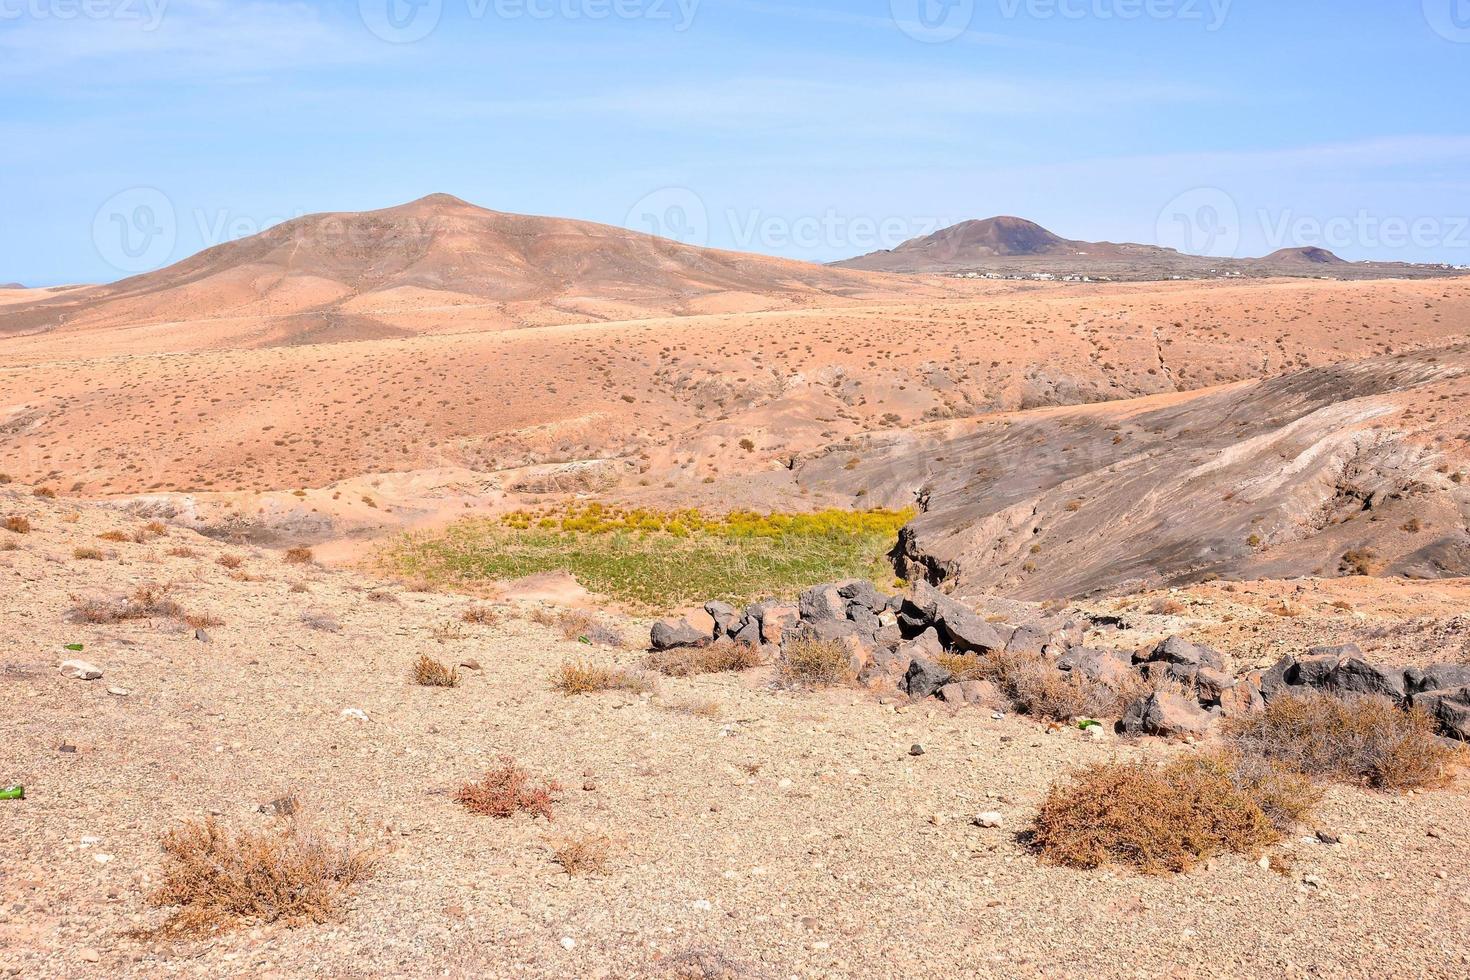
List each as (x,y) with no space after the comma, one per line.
(757,832)
(1264,466)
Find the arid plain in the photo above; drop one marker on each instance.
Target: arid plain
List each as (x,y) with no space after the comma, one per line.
(1266,466)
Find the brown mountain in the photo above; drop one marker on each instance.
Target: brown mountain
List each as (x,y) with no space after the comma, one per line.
(437,264)
(1306,256)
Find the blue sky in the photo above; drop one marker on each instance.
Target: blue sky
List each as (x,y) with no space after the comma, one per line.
(136,132)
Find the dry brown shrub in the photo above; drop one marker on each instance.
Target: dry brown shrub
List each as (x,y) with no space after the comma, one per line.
(214,880)
(428,672)
(148,601)
(719,658)
(480,614)
(298,556)
(1359,739)
(18,524)
(811,662)
(697,708)
(46,493)
(230,561)
(182,552)
(1035,686)
(1162,819)
(581,854)
(586,678)
(581,626)
(155,529)
(115,536)
(87,554)
(507,790)
(1167,607)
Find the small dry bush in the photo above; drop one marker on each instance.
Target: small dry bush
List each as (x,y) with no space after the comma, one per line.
(87,554)
(582,854)
(585,678)
(811,662)
(155,529)
(1167,607)
(580,626)
(1035,686)
(17,524)
(448,631)
(428,672)
(148,601)
(115,536)
(182,552)
(230,561)
(480,614)
(698,708)
(1360,739)
(1161,819)
(507,790)
(214,880)
(720,658)
(45,493)
(298,556)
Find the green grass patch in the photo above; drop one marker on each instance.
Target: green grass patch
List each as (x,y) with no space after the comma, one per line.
(658,559)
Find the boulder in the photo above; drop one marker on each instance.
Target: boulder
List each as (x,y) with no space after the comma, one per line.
(1312,670)
(865,594)
(1167,715)
(1028,640)
(1177,650)
(1243,698)
(925,677)
(1439,677)
(822,602)
(775,620)
(724,615)
(969,692)
(1273,680)
(960,628)
(865,618)
(1108,667)
(695,629)
(1451,709)
(749,632)
(888,666)
(1354,675)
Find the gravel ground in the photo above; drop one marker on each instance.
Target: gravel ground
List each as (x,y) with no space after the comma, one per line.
(788,835)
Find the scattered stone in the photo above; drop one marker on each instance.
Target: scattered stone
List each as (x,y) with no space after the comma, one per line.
(1166,715)
(119,692)
(990,820)
(80,670)
(916,749)
(695,629)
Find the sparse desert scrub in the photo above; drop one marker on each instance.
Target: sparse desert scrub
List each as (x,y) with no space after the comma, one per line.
(1168,818)
(811,662)
(230,561)
(1358,739)
(480,614)
(148,601)
(18,524)
(698,708)
(45,493)
(506,790)
(657,559)
(298,556)
(580,677)
(718,658)
(582,854)
(578,625)
(182,552)
(87,554)
(428,672)
(1034,686)
(215,880)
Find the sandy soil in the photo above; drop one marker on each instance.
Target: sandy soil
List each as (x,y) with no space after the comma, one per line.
(790,834)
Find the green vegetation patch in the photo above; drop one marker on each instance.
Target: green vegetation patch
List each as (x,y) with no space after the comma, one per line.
(658,559)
